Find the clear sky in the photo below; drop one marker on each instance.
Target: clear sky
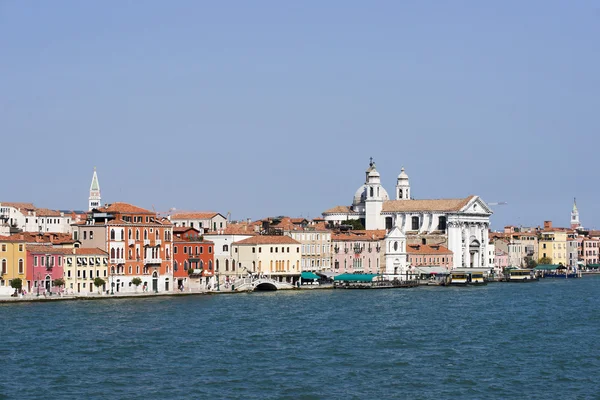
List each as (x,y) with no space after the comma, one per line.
(272,108)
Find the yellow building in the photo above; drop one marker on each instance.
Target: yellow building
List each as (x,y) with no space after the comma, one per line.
(13,263)
(553,244)
(82,266)
(277,256)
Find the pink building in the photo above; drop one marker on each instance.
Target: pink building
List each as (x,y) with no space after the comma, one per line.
(429,255)
(589,251)
(44,265)
(501,259)
(358,251)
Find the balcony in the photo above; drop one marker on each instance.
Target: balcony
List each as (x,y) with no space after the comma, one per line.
(146,242)
(117,261)
(131,242)
(152,261)
(157,242)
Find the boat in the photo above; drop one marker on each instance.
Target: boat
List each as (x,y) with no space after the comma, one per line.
(521,275)
(459,278)
(476,279)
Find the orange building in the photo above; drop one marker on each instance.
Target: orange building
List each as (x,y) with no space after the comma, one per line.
(429,255)
(137,241)
(193,260)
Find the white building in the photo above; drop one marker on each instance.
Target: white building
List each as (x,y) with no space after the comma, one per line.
(25,217)
(225,264)
(203,221)
(459,224)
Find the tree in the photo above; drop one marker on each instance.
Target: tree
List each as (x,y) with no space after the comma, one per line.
(17,283)
(530,263)
(58,282)
(99,282)
(137,282)
(355,224)
(545,261)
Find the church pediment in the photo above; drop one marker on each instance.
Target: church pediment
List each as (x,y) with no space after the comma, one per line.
(476,206)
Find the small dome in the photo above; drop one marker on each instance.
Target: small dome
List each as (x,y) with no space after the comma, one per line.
(374,173)
(361,195)
(402,175)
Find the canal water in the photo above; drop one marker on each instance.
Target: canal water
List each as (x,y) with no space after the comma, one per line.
(539,340)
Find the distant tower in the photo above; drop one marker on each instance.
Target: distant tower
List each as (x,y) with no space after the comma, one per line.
(396,260)
(402,186)
(575,216)
(95,200)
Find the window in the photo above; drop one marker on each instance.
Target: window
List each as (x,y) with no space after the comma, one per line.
(112,234)
(254,249)
(184,249)
(442,224)
(3,247)
(3,266)
(84,235)
(201,250)
(209,249)
(225,247)
(91,235)
(174,249)
(415,223)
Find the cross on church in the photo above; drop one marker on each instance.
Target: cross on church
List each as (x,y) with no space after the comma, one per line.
(371,161)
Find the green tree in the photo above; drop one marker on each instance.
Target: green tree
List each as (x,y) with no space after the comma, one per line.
(355,224)
(17,283)
(58,282)
(530,263)
(545,261)
(99,282)
(137,282)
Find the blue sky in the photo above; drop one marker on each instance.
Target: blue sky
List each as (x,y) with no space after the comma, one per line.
(270,108)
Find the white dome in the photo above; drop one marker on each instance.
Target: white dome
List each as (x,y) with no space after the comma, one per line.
(361,195)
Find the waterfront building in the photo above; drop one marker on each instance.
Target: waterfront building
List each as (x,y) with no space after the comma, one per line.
(429,255)
(203,221)
(276,256)
(48,239)
(44,265)
(358,251)
(573,257)
(461,225)
(553,244)
(590,251)
(82,266)
(315,241)
(520,247)
(138,242)
(501,259)
(193,259)
(13,263)
(25,217)
(225,266)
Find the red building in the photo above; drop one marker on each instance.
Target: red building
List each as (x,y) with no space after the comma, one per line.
(193,259)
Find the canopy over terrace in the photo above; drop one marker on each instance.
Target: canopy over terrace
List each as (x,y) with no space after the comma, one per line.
(548,267)
(309,275)
(355,277)
(433,270)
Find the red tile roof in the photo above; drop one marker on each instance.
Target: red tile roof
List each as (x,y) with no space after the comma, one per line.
(12,238)
(124,208)
(90,251)
(425,205)
(339,210)
(426,249)
(267,239)
(24,206)
(359,236)
(194,215)
(48,249)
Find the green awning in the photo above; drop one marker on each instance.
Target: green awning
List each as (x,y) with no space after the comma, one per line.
(594,265)
(309,275)
(547,267)
(355,277)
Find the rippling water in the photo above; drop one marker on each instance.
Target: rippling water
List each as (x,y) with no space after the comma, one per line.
(537,340)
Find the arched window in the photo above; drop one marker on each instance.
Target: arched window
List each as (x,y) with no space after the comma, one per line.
(112,253)
(137,234)
(130,269)
(21,266)
(185,265)
(217,266)
(112,270)
(145,234)
(395,246)
(210,265)
(233,265)
(4,266)
(157,235)
(122,234)
(399,193)
(201,264)
(129,233)
(371,192)
(175,266)
(225,247)
(112,234)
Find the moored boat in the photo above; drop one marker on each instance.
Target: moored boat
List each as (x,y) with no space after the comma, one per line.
(521,275)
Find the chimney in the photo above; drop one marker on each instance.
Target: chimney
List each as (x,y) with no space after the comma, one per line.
(547,224)
(22,237)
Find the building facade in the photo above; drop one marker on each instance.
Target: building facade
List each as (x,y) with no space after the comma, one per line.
(25,217)
(45,264)
(13,263)
(82,266)
(203,221)
(357,252)
(193,262)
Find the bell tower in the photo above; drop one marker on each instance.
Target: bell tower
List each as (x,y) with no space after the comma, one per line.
(575,216)
(402,186)
(374,199)
(95,200)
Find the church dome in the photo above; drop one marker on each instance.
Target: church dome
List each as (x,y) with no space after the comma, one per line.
(361,195)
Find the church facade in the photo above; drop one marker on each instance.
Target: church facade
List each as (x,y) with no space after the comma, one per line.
(460,224)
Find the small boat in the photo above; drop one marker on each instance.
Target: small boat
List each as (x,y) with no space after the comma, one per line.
(521,275)
(476,279)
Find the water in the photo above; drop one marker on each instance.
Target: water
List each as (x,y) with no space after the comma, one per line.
(537,341)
